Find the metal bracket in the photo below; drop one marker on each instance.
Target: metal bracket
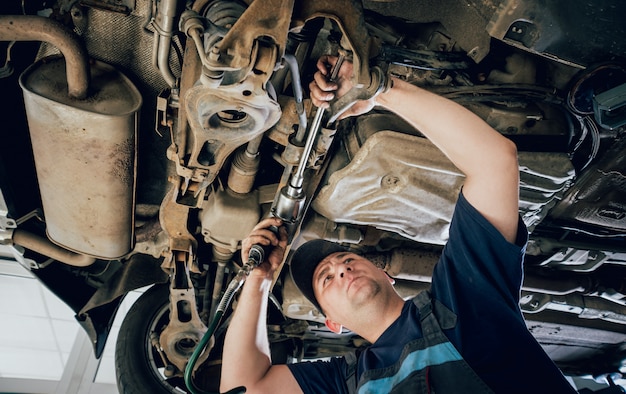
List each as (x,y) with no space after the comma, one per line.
(185,329)
(173,218)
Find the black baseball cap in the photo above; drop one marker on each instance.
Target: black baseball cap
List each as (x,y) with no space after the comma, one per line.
(305,260)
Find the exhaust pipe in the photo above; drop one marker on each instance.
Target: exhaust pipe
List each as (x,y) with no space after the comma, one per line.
(37,28)
(45,247)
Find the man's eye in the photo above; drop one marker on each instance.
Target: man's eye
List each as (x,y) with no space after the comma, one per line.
(348,260)
(327,278)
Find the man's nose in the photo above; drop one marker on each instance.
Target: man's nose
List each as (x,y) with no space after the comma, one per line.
(342,269)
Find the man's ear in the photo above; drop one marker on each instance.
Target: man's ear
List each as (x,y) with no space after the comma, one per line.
(333,326)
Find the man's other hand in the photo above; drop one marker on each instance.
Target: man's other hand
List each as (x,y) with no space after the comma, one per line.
(323,90)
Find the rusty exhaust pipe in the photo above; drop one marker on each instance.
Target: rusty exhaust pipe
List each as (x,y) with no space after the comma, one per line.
(38,28)
(43,246)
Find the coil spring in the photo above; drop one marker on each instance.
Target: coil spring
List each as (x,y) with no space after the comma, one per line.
(224,14)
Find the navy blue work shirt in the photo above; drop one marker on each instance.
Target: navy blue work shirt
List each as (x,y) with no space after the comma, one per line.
(478,277)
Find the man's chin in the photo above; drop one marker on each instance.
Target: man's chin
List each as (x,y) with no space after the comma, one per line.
(361,291)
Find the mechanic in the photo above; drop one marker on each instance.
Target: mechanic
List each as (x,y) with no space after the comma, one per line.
(466,335)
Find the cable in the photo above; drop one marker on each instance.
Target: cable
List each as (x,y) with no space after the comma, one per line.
(234,285)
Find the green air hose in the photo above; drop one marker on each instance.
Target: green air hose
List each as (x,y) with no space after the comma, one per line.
(234,285)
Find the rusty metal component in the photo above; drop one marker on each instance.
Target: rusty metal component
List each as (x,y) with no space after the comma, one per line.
(36,28)
(185,329)
(318,226)
(193,26)
(322,145)
(236,69)
(269,19)
(222,257)
(43,246)
(8,247)
(241,212)
(466,23)
(348,14)
(84,154)
(222,115)
(173,218)
(410,264)
(243,170)
(223,120)
(379,82)
(231,105)
(292,63)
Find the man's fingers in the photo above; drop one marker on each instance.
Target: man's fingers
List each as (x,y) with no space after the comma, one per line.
(262,235)
(258,238)
(316,95)
(282,235)
(323,84)
(321,91)
(266,233)
(267,222)
(324,63)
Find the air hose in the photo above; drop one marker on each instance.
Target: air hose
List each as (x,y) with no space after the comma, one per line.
(256,256)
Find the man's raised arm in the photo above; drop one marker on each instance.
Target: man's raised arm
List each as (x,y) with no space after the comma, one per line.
(488,159)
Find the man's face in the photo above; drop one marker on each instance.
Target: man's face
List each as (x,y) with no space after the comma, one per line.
(345,282)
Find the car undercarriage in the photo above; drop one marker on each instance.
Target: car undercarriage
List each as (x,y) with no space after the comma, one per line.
(144,139)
